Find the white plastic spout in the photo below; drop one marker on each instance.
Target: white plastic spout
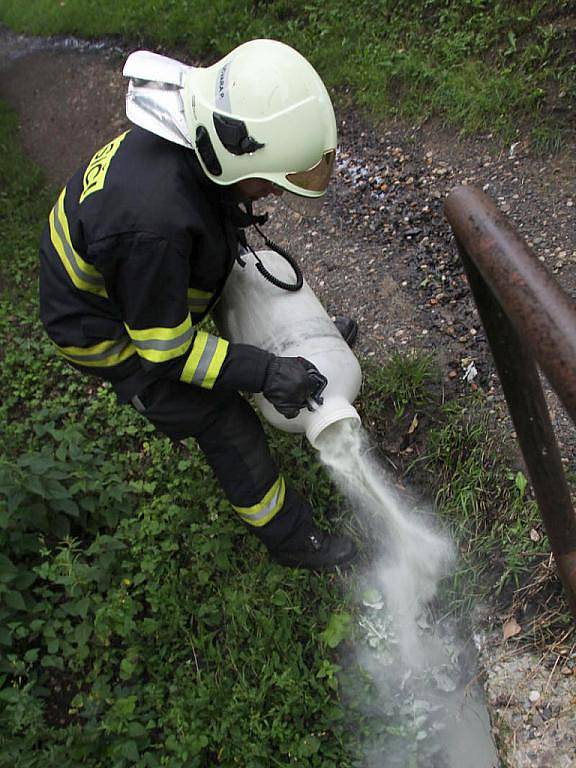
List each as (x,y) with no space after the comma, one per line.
(332,410)
(312,423)
(290,324)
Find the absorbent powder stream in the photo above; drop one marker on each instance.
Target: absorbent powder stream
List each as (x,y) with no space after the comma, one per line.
(413,557)
(415,664)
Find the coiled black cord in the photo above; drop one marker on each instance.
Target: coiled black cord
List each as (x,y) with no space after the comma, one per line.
(282,252)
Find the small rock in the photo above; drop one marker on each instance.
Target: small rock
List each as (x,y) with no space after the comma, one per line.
(534,696)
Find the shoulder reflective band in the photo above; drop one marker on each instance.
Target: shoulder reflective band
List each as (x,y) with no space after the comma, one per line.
(101,355)
(161,344)
(198,300)
(205,360)
(84,276)
(265,510)
(315,179)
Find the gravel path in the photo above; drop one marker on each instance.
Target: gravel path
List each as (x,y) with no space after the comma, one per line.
(382,252)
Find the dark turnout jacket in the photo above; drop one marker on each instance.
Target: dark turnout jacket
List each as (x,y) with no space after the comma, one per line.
(136,252)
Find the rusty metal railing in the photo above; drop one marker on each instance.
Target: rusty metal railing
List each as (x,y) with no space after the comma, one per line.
(528,319)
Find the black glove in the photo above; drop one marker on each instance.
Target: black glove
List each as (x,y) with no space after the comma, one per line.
(290,383)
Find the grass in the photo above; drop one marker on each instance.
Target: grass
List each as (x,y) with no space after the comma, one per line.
(406,381)
(477,65)
(486,502)
(455,449)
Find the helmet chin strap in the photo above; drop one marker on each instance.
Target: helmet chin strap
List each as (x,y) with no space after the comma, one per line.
(255,219)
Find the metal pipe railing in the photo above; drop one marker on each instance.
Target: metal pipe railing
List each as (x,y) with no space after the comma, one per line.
(528,319)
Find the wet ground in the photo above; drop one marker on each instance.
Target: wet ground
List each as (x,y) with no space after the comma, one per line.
(381,251)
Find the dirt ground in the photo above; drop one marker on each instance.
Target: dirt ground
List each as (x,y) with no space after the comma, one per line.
(382,252)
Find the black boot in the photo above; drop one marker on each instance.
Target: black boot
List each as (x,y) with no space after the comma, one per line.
(314,549)
(348,329)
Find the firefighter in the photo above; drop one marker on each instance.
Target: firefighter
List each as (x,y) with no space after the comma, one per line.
(140,243)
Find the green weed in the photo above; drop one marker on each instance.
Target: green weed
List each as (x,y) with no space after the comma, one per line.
(548,139)
(486,505)
(406,380)
(463,461)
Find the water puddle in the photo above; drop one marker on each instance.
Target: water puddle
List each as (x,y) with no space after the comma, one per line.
(424,682)
(14,46)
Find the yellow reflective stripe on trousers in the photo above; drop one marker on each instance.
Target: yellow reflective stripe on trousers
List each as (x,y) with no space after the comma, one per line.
(198,300)
(205,360)
(161,344)
(84,276)
(261,513)
(101,355)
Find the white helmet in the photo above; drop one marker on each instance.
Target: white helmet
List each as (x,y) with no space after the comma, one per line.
(260,112)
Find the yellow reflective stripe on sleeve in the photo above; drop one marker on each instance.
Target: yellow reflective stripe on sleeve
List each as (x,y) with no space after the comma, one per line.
(194,357)
(198,300)
(158,345)
(216,364)
(205,360)
(261,513)
(163,334)
(102,355)
(83,275)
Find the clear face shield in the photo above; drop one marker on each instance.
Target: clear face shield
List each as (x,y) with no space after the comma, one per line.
(314,179)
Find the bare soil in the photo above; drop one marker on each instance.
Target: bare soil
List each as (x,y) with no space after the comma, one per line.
(382,252)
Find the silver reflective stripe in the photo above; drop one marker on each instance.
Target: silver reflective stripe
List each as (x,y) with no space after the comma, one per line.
(165,344)
(71,256)
(205,360)
(116,349)
(266,512)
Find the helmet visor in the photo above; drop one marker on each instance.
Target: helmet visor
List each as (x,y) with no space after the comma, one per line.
(315,179)
(307,207)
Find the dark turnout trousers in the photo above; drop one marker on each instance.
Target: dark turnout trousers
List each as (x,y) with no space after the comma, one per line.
(232,438)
